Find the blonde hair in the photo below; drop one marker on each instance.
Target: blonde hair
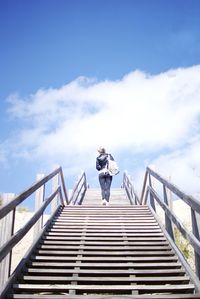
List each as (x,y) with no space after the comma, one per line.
(101,150)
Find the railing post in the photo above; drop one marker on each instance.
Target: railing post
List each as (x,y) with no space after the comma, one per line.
(130,192)
(142,201)
(55,184)
(133,195)
(6,231)
(39,198)
(85,181)
(79,190)
(168,222)
(146,197)
(152,201)
(196,231)
(169,196)
(64,187)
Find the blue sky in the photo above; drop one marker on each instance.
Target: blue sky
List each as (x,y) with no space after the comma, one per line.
(76,74)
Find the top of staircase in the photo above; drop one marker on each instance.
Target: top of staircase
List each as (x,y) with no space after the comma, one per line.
(117,197)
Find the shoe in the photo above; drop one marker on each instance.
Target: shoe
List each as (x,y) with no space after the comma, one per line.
(104,202)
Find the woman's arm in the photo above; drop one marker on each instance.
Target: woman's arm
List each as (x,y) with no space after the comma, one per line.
(98,166)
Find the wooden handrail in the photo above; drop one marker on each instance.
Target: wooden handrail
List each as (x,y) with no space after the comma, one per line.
(149,193)
(188,199)
(144,187)
(5,209)
(59,192)
(64,186)
(27,255)
(8,246)
(79,190)
(181,258)
(185,232)
(130,191)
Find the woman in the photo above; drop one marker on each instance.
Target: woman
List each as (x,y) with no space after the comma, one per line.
(105,179)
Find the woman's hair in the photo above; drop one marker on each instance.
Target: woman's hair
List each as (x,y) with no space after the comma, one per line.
(101,150)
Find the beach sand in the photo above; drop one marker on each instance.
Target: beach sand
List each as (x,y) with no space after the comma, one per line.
(22,247)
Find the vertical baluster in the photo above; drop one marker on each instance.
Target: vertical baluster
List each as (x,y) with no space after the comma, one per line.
(168,222)
(196,232)
(6,231)
(55,184)
(152,201)
(39,198)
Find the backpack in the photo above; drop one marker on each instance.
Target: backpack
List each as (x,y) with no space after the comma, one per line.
(112,166)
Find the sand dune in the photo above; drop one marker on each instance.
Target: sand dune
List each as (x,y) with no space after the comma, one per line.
(21,248)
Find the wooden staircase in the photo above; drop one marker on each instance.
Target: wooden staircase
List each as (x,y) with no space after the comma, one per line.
(94,251)
(117,196)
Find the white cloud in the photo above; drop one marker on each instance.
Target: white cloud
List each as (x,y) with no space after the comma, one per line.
(140,112)
(182,167)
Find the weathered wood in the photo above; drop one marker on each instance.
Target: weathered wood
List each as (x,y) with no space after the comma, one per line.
(161,265)
(112,208)
(105,258)
(189,236)
(110,228)
(55,185)
(7,247)
(120,249)
(102,238)
(8,207)
(79,190)
(6,231)
(64,186)
(134,252)
(18,270)
(83,259)
(5,209)
(107,233)
(168,222)
(142,199)
(182,259)
(39,198)
(104,288)
(147,296)
(136,220)
(150,272)
(152,201)
(190,200)
(144,279)
(131,193)
(138,241)
(196,231)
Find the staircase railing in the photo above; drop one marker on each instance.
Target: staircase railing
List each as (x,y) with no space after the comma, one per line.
(7,243)
(130,191)
(79,190)
(161,198)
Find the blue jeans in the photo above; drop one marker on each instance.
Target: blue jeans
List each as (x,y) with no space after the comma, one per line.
(105,181)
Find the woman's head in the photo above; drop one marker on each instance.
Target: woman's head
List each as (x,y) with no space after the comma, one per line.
(101,150)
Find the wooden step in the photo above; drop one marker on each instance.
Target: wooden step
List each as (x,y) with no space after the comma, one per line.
(108,272)
(117,196)
(106,253)
(100,252)
(104,288)
(106,279)
(97,259)
(86,296)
